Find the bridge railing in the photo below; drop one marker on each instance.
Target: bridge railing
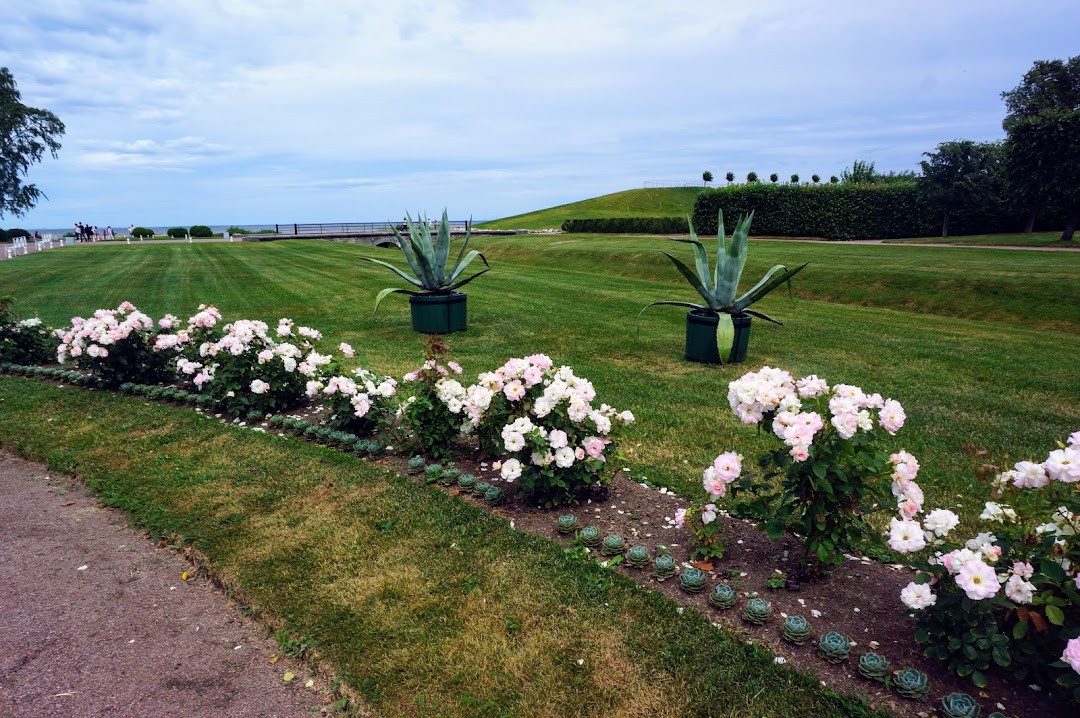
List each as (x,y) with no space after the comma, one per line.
(358,227)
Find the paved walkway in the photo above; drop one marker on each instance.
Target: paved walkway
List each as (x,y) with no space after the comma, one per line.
(96,621)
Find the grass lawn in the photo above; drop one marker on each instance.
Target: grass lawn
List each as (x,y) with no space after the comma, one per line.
(1035,239)
(423,604)
(447,606)
(660,202)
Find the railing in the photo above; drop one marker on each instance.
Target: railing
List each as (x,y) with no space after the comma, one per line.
(357,227)
(22,244)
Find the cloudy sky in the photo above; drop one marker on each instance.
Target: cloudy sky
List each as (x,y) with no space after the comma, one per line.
(264,111)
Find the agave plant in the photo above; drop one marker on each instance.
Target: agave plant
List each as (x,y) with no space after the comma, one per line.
(613,545)
(637,556)
(663,567)
(589,536)
(723,596)
(834,647)
(693,580)
(568,524)
(719,286)
(960,705)
(757,611)
(797,630)
(427,258)
(912,683)
(873,666)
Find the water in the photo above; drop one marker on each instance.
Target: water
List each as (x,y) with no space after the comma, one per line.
(121,230)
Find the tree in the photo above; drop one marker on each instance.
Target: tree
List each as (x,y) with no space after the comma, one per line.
(834,180)
(730,177)
(860,173)
(794,179)
(962,173)
(815,178)
(25,134)
(706,176)
(1042,152)
(773,177)
(751,177)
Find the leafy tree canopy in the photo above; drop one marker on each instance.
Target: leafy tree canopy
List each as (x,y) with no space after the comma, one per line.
(25,134)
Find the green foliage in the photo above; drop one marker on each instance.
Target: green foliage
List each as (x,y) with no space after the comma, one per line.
(26,133)
(428,258)
(700,520)
(361,403)
(834,179)
(177,232)
(960,705)
(860,173)
(142,232)
(706,177)
(238,230)
(751,177)
(815,178)
(730,176)
(774,178)
(428,424)
(201,231)
(24,341)
(834,647)
(627,225)
(965,176)
(18,232)
(795,179)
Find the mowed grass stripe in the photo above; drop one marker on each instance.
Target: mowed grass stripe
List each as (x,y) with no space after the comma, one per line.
(407,591)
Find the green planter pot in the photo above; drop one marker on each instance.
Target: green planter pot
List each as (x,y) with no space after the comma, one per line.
(438,313)
(701,337)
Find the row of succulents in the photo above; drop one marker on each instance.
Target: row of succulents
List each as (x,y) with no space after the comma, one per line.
(72,377)
(833,646)
(327,435)
(451,476)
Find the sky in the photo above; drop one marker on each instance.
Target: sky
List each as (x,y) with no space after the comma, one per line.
(279,111)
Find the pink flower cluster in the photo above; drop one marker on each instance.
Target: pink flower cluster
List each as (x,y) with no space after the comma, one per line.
(725,468)
(365,389)
(106,327)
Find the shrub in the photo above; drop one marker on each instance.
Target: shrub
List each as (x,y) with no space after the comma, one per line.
(831,468)
(628,225)
(431,415)
(201,231)
(17,232)
(751,177)
(795,179)
(540,419)
(4,236)
(730,176)
(700,517)
(361,403)
(24,341)
(815,178)
(142,232)
(1009,596)
(834,180)
(774,177)
(244,368)
(238,230)
(117,345)
(177,232)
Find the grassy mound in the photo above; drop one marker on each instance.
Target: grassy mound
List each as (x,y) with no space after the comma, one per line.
(661,202)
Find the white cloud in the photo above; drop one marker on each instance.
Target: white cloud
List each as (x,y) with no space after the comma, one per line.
(519,103)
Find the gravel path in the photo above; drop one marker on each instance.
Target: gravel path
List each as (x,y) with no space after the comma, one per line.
(95,620)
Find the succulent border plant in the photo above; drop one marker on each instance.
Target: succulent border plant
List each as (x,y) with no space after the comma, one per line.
(663,567)
(960,705)
(568,524)
(416,464)
(874,666)
(834,647)
(613,545)
(693,580)
(757,611)
(723,596)
(637,556)
(481,488)
(493,496)
(433,473)
(797,630)
(466,483)
(427,258)
(912,683)
(719,286)
(589,536)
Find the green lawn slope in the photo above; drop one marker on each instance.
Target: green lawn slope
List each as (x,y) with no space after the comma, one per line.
(660,202)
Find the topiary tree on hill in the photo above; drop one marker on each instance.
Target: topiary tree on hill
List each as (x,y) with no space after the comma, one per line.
(774,177)
(834,180)
(815,178)
(706,176)
(730,177)
(795,179)
(751,177)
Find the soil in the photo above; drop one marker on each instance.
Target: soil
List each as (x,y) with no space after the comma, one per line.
(99,621)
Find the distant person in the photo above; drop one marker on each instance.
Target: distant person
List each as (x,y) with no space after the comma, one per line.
(108,232)
(131,229)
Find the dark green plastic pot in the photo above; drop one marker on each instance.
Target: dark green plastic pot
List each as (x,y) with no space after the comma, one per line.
(438,313)
(701,337)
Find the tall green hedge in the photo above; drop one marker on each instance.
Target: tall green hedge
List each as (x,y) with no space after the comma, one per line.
(845,211)
(629,225)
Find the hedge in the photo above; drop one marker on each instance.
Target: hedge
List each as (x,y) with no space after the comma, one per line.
(628,225)
(201,230)
(142,232)
(848,211)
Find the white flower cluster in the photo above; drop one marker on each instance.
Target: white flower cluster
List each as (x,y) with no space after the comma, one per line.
(775,391)
(364,389)
(106,327)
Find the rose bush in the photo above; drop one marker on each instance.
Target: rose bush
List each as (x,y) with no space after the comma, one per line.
(700,517)
(540,421)
(24,341)
(430,416)
(358,404)
(1009,596)
(833,470)
(117,345)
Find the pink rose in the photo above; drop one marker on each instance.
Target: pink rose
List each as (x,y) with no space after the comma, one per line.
(680,516)
(1072,654)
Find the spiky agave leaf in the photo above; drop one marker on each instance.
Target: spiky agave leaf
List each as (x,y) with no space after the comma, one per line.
(730,260)
(767,283)
(710,299)
(387,292)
